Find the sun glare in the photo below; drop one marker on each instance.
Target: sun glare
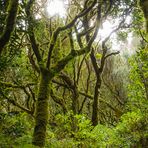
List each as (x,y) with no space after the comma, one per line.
(106,29)
(56,7)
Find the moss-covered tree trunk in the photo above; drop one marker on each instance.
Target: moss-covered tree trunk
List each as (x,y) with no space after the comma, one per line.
(95,103)
(144,7)
(42,111)
(75,101)
(9,23)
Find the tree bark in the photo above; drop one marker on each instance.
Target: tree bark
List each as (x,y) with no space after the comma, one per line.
(74,90)
(10,22)
(144,7)
(42,111)
(95,102)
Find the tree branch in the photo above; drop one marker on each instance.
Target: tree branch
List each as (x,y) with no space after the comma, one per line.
(31,32)
(8,84)
(113,53)
(17,105)
(59,29)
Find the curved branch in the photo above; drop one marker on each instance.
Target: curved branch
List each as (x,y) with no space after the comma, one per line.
(69,25)
(113,53)
(17,104)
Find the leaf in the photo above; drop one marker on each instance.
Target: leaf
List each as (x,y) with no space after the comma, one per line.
(98,56)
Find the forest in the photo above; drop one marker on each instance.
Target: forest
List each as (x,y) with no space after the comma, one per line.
(74,73)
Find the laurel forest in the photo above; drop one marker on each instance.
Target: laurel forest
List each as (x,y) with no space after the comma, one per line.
(74,73)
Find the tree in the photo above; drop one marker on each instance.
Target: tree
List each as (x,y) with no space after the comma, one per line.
(144,5)
(10,23)
(47,72)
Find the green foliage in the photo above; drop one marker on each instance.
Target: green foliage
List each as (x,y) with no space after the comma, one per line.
(137,88)
(137,20)
(16,129)
(18,67)
(69,131)
(130,130)
(137,98)
(122,36)
(127,133)
(98,56)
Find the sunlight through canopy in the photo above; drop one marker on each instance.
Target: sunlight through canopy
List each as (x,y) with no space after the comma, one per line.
(56,7)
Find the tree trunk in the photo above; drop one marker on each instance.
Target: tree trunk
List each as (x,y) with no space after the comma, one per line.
(42,112)
(144,7)
(75,101)
(95,103)
(10,22)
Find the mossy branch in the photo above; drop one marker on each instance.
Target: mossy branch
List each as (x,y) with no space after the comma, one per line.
(10,85)
(31,32)
(17,104)
(74,53)
(68,26)
(144,7)
(58,100)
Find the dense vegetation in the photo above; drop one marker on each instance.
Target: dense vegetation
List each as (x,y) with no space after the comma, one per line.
(65,83)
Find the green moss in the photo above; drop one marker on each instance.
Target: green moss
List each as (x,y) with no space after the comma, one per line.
(42,112)
(144,7)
